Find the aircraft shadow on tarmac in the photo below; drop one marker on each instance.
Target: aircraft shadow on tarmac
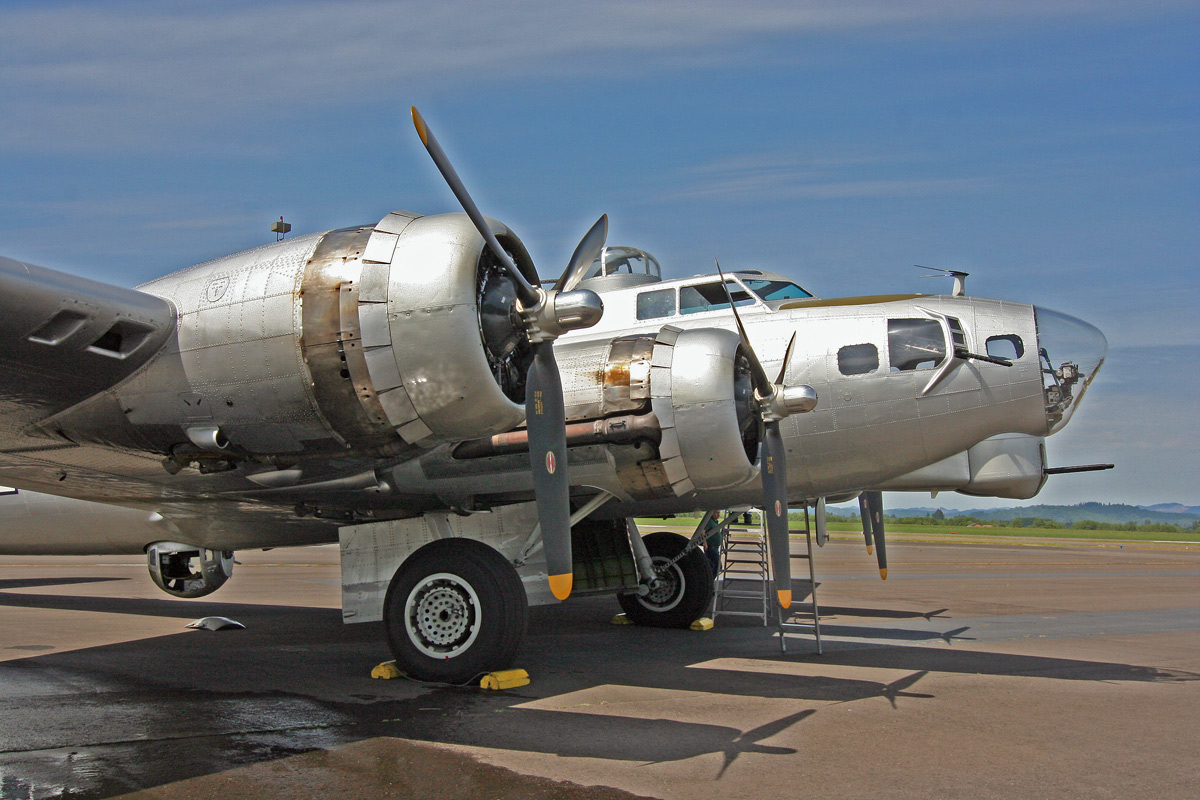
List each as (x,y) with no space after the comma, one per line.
(31,583)
(155,710)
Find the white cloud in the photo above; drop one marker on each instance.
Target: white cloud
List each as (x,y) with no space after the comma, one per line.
(137,76)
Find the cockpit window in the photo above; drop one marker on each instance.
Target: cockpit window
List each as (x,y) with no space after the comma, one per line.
(711,297)
(776,290)
(1008,346)
(858,359)
(659,303)
(915,344)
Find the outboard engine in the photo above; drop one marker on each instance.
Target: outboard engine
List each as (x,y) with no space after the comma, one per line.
(182,570)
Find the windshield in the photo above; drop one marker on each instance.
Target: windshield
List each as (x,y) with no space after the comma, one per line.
(776,290)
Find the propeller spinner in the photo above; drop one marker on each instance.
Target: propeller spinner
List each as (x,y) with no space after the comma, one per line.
(544,314)
(776,401)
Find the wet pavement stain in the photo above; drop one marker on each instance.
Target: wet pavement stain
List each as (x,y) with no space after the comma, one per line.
(384,768)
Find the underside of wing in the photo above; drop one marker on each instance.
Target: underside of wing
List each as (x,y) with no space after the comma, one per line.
(64,339)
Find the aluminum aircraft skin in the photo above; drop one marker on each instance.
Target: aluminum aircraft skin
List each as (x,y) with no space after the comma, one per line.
(477,439)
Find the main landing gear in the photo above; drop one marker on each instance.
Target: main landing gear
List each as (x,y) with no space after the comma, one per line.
(682,589)
(455,609)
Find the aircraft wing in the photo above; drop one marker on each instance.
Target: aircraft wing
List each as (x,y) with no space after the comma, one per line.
(64,339)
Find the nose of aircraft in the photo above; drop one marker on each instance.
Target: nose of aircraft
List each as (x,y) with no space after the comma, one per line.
(1071,352)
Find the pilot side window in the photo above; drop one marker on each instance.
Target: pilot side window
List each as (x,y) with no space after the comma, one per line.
(660,303)
(711,297)
(915,344)
(858,359)
(1008,346)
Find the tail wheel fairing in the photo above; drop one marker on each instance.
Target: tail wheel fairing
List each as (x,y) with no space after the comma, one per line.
(456,608)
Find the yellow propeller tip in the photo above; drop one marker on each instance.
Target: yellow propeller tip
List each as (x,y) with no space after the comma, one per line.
(870,550)
(785,598)
(419,122)
(560,585)
(883,573)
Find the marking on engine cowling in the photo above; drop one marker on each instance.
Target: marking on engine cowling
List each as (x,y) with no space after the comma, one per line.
(215,289)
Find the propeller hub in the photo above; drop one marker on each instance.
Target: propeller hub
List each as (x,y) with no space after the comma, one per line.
(556,312)
(787,400)
(577,309)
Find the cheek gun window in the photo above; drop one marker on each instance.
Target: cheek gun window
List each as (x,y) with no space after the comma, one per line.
(651,305)
(915,344)
(858,359)
(1009,346)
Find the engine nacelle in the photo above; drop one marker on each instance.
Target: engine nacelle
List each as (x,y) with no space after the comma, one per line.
(374,341)
(183,570)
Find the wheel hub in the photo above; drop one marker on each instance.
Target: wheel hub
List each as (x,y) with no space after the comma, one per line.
(442,615)
(666,589)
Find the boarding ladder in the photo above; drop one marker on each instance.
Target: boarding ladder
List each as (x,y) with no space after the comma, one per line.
(744,587)
(743,582)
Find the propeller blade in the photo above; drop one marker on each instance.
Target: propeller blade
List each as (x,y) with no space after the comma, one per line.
(875,504)
(864,511)
(584,256)
(762,384)
(787,359)
(528,293)
(822,526)
(773,464)
(775,507)
(545,418)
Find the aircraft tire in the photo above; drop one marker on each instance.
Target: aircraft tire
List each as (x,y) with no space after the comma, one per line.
(687,588)
(455,609)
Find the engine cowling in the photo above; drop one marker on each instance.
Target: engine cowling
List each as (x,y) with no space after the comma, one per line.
(443,351)
(183,570)
(701,392)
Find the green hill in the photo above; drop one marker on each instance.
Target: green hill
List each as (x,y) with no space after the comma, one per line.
(1098,512)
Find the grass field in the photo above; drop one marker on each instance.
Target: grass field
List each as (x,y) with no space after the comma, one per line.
(840,529)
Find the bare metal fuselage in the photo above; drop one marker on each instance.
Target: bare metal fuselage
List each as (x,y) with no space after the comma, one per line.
(333,380)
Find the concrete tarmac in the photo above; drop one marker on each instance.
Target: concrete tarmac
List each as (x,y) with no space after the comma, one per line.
(991,669)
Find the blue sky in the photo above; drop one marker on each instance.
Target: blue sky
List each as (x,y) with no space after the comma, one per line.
(1050,148)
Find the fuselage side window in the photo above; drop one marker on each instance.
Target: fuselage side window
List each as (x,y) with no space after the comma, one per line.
(858,359)
(1008,346)
(659,303)
(711,297)
(915,344)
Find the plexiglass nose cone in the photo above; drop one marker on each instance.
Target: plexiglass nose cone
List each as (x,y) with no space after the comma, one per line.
(1070,352)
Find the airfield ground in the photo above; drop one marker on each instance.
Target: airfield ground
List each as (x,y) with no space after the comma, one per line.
(988,668)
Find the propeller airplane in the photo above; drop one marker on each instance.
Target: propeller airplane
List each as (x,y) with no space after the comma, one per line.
(477,439)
